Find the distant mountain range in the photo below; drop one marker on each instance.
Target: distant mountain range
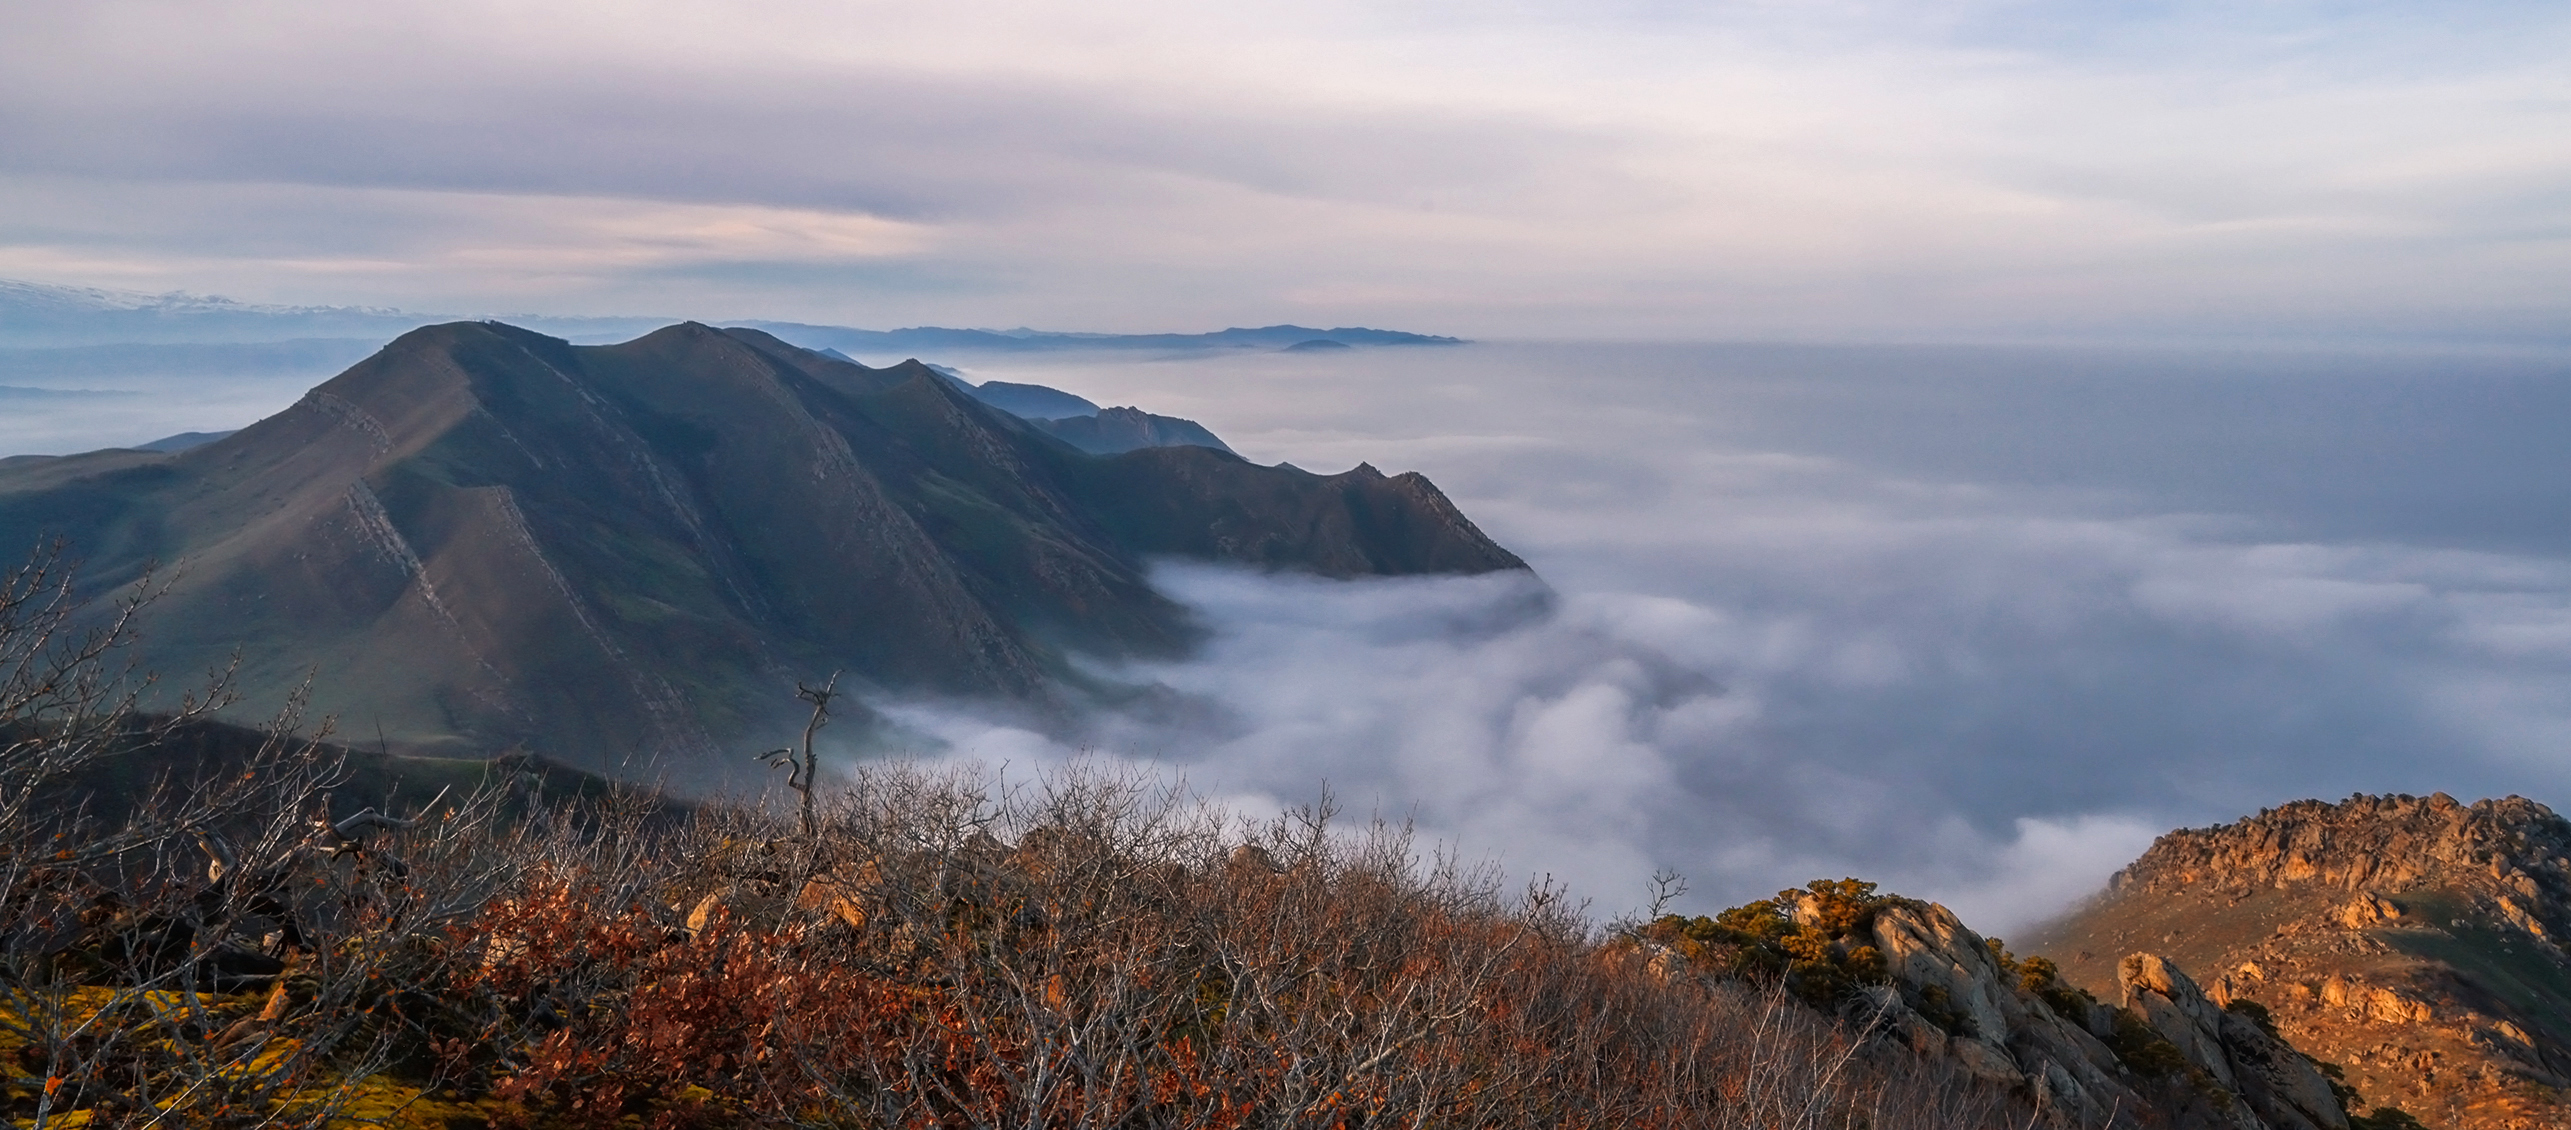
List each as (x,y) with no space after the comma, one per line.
(930,339)
(40,316)
(1077,420)
(483,536)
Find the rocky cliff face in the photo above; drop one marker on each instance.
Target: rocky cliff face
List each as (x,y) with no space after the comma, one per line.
(483,536)
(2412,943)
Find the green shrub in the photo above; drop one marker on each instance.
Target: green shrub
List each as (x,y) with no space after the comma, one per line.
(2257,1014)
(2147,1052)
(2039,975)
(1936,1006)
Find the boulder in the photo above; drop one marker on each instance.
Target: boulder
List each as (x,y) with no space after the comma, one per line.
(1925,946)
(2170,1002)
(2077,1075)
(2366,910)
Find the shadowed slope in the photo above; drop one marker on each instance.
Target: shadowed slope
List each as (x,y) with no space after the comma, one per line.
(483,536)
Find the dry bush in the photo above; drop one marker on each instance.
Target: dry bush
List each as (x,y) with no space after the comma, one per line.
(1099,950)
(189,936)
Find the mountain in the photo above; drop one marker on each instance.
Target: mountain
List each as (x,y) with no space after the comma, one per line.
(934,339)
(2412,943)
(38,315)
(484,536)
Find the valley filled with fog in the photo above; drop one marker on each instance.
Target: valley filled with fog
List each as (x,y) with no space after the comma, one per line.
(1976,623)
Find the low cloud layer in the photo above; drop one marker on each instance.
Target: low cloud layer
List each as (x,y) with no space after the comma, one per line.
(1564,741)
(1775,647)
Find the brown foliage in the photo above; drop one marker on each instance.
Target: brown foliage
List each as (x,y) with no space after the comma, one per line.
(1097,951)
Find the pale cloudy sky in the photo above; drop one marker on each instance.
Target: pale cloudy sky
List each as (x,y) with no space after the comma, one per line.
(1832,169)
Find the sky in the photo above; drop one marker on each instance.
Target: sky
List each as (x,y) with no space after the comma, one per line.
(1832,170)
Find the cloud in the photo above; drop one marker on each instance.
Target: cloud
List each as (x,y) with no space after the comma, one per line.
(362,237)
(1681,171)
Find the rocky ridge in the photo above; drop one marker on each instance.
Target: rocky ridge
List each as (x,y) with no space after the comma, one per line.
(2414,943)
(1912,974)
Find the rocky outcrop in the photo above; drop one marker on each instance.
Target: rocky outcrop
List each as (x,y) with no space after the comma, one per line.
(1953,992)
(2168,1053)
(1950,994)
(2407,942)
(2277,1086)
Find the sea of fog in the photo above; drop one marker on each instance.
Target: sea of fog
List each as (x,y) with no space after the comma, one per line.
(1975,623)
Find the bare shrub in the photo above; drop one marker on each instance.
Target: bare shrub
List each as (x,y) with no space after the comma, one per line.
(189,933)
(1099,950)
